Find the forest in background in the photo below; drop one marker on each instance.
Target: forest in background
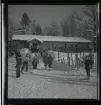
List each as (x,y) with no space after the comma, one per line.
(72,26)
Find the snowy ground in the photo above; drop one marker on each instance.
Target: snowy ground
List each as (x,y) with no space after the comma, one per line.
(61,82)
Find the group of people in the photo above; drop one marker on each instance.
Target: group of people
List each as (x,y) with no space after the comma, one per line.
(48,59)
(34,47)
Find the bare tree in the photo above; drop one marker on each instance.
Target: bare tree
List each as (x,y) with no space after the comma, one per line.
(38,29)
(91,24)
(91,11)
(72,25)
(65,27)
(52,29)
(69,26)
(47,30)
(32,27)
(25,21)
(11,28)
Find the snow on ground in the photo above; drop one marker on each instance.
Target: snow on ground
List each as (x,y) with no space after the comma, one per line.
(61,82)
(38,85)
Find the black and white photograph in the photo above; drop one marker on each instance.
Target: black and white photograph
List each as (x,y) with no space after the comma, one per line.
(52,52)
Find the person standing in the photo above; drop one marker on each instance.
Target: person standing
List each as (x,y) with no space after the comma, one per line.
(45,56)
(49,61)
(88,66)
(35,61)
(25,64)
(18,62)
(91,58)
(17,54)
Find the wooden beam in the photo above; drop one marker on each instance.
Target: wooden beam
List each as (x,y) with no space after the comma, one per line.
(77,55)
(58,53)
(68,59)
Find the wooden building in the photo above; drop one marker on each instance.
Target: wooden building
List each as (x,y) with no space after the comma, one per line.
(71,48)
(55,43)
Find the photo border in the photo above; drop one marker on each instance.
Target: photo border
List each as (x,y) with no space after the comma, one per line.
(37,2)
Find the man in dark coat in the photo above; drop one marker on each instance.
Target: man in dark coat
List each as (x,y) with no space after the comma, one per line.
(18,62)
(18,57)
(17,53)
(88,63)
(91,58)
(49,61)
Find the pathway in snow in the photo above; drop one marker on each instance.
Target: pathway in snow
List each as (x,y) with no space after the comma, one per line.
(61,82)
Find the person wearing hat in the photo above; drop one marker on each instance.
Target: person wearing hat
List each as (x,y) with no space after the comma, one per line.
(91,58)
(88,63)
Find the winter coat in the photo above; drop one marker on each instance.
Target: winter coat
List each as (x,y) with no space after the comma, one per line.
(17,53)
(88,62)
(35,60)
(45,55)
(49,59)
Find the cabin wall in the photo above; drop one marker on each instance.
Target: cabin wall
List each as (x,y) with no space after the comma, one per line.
(71,52)
(58,46)
(19,43)
(66,47)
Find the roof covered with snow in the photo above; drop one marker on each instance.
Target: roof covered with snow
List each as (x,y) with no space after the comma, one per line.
(49,38)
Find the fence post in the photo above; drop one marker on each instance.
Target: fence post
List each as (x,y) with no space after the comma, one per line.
(68,58)
(72,59)
(77,56)
(63,49)
(80,59)
(58,52)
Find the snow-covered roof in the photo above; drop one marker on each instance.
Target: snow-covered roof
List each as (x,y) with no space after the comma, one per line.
(49,38)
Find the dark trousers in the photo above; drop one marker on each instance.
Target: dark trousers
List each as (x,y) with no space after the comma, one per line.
(25,63)
(88,72)
(45,63)
(91,66)
(50,64)
(35,66)
(18,66)
(18,72)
